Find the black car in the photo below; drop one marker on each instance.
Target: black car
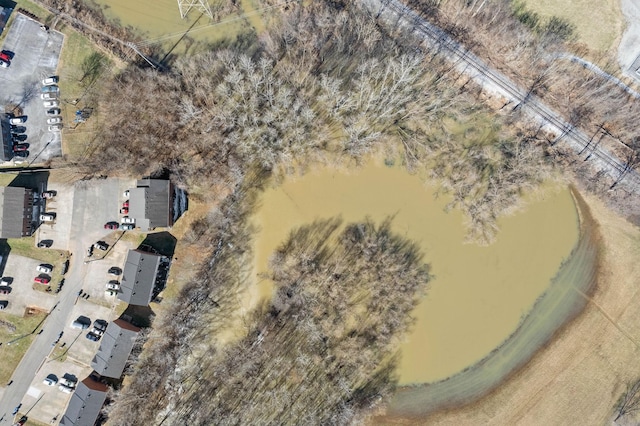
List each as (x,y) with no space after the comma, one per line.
(101,245)
(114,270)
(100,325)
(19,137)
(92,336)
(45,243)
(23,154)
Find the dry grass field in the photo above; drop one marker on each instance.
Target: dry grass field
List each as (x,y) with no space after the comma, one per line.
(599,23)
(578,378)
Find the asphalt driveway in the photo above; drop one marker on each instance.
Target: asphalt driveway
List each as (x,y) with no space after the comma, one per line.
(35,56)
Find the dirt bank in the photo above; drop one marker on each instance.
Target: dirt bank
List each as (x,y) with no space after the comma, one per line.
(578,376)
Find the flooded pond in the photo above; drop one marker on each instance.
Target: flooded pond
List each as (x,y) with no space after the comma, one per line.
(479,295)
(159,21)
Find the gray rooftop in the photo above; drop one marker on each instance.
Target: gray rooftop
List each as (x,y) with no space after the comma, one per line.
(115,348)
(139,277)
(85,404)
(6,139)
(150,203)
(14,213)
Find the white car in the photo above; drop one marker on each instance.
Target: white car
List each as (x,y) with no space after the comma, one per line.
(55,127)
(48,96)
(44,268)
(65,389)
(51,104)
(5,281)
(47,217)
(54,120)
(17,120)
(125,194)
(50,380)
(127,219)
(113,285)
(49,81)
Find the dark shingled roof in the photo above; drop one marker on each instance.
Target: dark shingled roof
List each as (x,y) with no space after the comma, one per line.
(85,404)
(115,348)
(139,277)
(14,213)
(150,203)
(7,141)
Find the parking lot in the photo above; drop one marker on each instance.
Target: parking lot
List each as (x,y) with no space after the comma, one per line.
(21,271)
(35,57)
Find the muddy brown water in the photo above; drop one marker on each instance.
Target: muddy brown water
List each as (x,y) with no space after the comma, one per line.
(478,296)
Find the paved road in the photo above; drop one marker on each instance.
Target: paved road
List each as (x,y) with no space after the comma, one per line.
(94,203)
(396,13)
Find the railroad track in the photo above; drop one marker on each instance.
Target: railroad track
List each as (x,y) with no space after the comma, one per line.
(617,169)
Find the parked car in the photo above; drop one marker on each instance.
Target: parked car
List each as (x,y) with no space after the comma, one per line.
(53,112)
(15,410)
(44,268)
(49,89)
(100,325)
(55,127)
(127,219)
(16,130)
(50,80)
(50,380)
(81,322)
(3,304)
(114,270)
(17,120)
(127,227)
(111,225)
(21,154)
(4,64)
(5,56)
(47,217)
(51,104)
(49,194)
(42,279)
(45,243)
(93,336)
(101,245)
(124,210)
(90,251)
(54,120)
(126,204)
(19,137)
(125,194)
(113,285)
(49,96)
(65,389)
(5,289)
(6,281)
(20,147)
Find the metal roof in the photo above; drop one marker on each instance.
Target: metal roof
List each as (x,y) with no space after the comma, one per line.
(13,217)
(139,277)
(115,348)
(85,404)
(7,141)
(150,203)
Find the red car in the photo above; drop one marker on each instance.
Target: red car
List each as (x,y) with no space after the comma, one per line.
(111,225)
(20,147)
(126,204)
(42,280)
(5,57)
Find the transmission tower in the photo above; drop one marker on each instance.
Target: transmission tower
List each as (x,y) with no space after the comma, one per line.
(201,5)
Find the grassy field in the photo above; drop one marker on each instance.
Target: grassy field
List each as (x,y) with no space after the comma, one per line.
(578,378)
(599,23)
(12,354)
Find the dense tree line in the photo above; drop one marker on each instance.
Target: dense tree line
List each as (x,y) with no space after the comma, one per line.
(536,53)
(321,352)
(323,85)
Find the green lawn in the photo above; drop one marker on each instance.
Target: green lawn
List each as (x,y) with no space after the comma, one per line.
(12,353)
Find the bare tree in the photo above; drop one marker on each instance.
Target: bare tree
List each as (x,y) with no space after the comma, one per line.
(629,402)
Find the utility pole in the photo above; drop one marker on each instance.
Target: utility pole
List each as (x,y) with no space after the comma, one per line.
(202,5)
